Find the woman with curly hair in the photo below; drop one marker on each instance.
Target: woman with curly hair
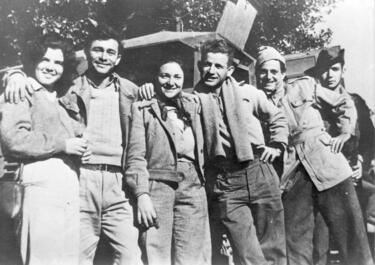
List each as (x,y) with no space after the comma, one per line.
(165,171)
(39,133)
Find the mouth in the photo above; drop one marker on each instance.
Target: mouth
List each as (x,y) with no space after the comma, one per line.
(169,88)
(210,78)
(48,75)
(101,65)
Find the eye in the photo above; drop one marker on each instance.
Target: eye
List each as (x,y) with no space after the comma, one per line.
(112,52)
(96,49)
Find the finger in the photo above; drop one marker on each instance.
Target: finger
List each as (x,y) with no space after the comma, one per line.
(7,93)
(141,92)
(148,93)
(139,217)
(29,88)
(156,222)
(334,146)
(150,221)
(263,155)
(272,158)
(145,221)
(267,157)
(340,145)
(22,93)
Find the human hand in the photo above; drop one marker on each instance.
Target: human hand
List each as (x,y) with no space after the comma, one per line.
(357,172)
(85,158)
(269,153)
(146,213)
(337,143)
(146,91)
(75,146)
(18,87)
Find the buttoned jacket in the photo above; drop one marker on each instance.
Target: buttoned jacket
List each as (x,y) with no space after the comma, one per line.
(152,151)
(309,143)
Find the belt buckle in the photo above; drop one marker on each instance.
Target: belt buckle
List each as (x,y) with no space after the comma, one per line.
(104,167)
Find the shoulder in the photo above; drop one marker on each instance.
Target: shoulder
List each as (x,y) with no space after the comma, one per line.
(127,86)
(303,82)
(193,98)
(303,86)
(250,92)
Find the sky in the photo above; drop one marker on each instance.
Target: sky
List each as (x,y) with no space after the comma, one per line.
(353,26)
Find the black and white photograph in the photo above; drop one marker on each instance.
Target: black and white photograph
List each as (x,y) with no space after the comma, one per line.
(187,132)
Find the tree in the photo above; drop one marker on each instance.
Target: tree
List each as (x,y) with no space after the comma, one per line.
(285,24)
(289,25)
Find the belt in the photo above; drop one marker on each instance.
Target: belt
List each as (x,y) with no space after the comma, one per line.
(102,167)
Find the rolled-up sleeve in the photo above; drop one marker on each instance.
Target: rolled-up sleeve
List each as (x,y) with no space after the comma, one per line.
(136,173)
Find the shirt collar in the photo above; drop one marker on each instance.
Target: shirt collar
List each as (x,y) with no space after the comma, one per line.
(113,78)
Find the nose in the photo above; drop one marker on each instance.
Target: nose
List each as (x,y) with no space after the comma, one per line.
(268,75)
(103,56)
(49,67)
(211,70)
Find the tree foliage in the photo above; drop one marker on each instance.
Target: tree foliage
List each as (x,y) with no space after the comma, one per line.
(289,25)
(286,24)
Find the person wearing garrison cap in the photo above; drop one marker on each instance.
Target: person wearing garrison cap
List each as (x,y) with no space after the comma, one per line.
(359,150)
(316,175)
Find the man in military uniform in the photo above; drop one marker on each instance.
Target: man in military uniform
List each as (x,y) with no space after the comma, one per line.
(316,176)
(359,150)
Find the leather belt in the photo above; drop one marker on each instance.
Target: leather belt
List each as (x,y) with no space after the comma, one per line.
(102,167)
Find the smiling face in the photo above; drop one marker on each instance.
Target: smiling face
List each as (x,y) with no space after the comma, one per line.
(104,56)
(215,69)
(50,68)
(170,79)
(270,77)
(332,77)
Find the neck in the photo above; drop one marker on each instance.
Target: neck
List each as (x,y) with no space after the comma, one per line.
(97,78)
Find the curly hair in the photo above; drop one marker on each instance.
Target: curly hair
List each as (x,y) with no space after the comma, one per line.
(35,49)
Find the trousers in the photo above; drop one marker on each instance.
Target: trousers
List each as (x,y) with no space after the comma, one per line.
(104,210)
(340,210)
(183,236)
(48,232)
(248,204)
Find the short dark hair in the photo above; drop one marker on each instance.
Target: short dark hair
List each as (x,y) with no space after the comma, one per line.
(217,46)
(103,32)
(35,49)
(171,59)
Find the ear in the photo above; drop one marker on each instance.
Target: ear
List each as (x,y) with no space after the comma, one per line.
(343,70)
(118,59)
(230,70)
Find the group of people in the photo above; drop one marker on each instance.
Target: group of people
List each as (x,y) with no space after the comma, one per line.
(161,174)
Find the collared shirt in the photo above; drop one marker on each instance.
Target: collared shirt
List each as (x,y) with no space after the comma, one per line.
(103,130)
(185,142)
